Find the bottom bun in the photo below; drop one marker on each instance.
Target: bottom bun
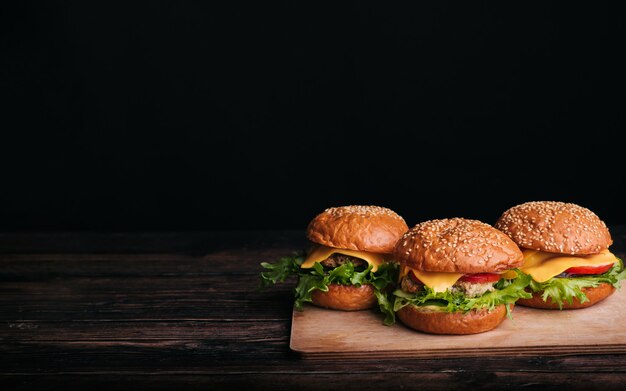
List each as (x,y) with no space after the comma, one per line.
(440,322)
(345,297)
(594,294)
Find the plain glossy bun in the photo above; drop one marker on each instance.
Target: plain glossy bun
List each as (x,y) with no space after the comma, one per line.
(556,227)
(594,294)
(345,297)
(457,245)
(357,227)
(441,322)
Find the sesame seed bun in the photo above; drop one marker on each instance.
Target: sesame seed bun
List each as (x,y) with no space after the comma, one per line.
(457,245)
(345,297)
(594,294)
(441,322)
(357,227)
(556,227)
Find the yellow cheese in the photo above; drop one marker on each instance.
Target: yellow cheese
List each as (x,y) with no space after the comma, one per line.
(438,281)
(320,253)
(543,266)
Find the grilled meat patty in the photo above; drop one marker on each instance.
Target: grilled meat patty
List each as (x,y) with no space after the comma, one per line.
(336,260)
(469,289)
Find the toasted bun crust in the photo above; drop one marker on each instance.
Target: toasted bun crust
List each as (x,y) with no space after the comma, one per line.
(457,245)
(357,227)
(594,294)
(439,322)
(345,297)
(556,227)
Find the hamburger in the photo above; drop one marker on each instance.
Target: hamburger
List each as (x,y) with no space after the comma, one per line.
(452,277)
(566,253)
(349,265)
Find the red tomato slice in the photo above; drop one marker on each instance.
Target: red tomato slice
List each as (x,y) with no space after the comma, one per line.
(589,269)
(479,278)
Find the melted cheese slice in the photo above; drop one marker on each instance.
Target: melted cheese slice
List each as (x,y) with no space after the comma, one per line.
(438,281)
(320,253)
(543,266)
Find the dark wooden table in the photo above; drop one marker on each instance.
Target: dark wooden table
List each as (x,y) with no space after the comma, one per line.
(165,310)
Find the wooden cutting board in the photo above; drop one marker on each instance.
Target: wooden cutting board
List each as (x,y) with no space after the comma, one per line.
(318,333)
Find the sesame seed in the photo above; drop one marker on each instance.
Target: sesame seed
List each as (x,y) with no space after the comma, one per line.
(362,210)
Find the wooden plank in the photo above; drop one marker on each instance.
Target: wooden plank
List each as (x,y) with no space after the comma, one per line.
(224,307)
(271,358)
(212,297)
(57,346)
(186,312)
(200,285)
(39,266)
(358,381)
(112,332)
(319,333)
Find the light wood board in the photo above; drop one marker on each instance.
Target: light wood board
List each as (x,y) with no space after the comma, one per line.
(318,333)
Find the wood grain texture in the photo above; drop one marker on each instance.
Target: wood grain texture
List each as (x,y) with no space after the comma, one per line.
(594,330)
(172,310)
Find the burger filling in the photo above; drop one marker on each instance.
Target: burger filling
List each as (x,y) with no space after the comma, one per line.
(564,277)
(472,289)
(335,269)
(409,285)
(337,259)
(467,293)
(466,288)
(566,286)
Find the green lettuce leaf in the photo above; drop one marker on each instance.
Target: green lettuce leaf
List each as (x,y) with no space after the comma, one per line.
(506,292)
(280,270)
(565,289)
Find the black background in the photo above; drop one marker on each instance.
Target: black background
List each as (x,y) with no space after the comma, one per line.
(257,115)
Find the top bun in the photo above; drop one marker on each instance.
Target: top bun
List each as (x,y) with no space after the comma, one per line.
(357,227)
(457,245)
(556,227)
